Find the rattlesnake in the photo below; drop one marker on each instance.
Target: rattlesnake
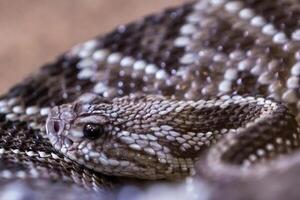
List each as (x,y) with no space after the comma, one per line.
(161,91)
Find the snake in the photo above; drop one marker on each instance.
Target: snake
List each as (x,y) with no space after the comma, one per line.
(209,87)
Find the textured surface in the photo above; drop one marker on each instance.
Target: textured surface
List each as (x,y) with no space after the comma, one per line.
(156,137)
(34,32)
(191,52)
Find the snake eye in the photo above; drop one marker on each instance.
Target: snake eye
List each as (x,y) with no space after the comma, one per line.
(93,131)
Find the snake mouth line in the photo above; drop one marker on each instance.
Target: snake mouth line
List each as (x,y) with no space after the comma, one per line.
(62,143)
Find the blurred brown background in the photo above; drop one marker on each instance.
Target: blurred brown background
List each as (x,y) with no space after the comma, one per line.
(33,32)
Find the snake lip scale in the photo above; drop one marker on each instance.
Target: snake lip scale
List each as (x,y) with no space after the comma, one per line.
(208,88)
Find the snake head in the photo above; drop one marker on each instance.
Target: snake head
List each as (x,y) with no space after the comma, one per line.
(109,137)
(69,124)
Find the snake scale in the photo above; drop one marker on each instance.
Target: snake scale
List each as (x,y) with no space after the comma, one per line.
(214,81)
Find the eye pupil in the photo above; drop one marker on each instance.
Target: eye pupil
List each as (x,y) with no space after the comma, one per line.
(93,131)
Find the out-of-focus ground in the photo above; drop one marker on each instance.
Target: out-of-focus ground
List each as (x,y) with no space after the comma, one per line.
(33,32)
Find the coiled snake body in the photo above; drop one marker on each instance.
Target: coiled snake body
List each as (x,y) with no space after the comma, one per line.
(214,79)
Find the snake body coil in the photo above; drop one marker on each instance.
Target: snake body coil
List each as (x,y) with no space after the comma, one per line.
(214,79)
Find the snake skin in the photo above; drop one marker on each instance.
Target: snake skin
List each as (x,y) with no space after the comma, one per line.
(194,51)
(158,137)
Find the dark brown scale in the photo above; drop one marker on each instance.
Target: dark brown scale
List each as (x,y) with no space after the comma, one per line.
(267,131)
(244,82)
(225,38)
(167,90)
(69,88)
(131,86)
(279,13)
(230,117)
(151,38)
(51,70)
(36,95)
(34,88)
(17,134)
(2,118)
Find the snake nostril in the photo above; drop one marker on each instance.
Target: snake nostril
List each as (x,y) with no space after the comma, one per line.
(56,126)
